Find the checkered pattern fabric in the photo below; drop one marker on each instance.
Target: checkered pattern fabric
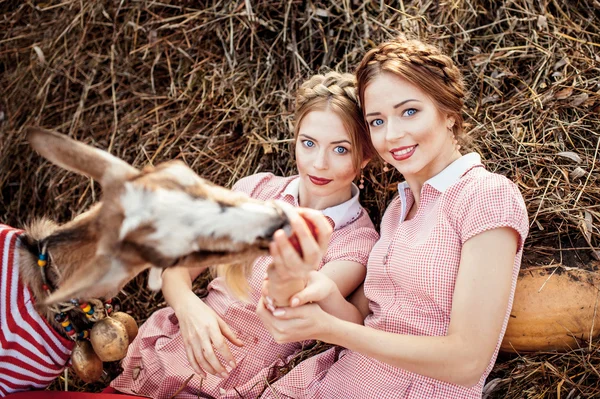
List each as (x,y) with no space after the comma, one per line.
(156,364)
(32,353)
(410,283)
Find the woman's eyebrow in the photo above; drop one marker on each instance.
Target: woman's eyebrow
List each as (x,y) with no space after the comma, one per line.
(341,141)
(404,102)
(306,136)
(333,142)
(395,106)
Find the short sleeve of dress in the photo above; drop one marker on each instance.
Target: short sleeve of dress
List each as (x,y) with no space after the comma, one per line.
(351,245)
(253,184)
(491,202)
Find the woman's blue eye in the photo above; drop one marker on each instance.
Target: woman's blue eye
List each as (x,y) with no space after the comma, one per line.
(377,122)
(410,112)
(340,150)
(308,143)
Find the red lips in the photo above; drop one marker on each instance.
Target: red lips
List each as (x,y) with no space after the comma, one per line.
(318,181)
(402,157)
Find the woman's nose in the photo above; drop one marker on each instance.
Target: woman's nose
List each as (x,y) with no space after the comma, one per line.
(394,130)
(321,161)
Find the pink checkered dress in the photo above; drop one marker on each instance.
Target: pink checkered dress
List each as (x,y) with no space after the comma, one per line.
(156,364)
(410,283)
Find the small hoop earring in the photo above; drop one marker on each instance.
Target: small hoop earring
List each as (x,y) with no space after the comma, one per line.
(362,180)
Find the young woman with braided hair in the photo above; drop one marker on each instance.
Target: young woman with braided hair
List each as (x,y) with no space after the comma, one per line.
(441,279)
(190,337)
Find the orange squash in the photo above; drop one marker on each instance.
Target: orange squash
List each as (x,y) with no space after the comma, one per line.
(553,311)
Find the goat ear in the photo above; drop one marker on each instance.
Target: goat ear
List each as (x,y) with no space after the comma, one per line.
(102,277)
(78,157)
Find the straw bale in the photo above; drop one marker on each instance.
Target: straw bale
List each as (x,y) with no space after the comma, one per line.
(212,82)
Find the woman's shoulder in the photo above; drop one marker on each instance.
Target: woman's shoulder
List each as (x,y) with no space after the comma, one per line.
(361,222)
(249,183)
(480,184)
(483,199)
(264,185)
(354,241)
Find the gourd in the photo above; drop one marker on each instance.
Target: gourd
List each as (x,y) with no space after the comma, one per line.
(109,339)
(553,309)
(86,364)
(129,322)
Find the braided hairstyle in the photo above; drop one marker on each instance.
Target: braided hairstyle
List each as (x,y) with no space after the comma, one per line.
(423,65)
(336,92)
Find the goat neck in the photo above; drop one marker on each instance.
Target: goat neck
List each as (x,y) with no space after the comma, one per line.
(68,246)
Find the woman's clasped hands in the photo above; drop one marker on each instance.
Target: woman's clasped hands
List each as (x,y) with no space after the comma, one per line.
(304,319)
(300,318)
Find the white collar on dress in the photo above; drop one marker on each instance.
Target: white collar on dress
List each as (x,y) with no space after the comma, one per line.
(451,174)
(341,214)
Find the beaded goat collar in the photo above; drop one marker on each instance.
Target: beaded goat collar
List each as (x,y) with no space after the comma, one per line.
(94,310)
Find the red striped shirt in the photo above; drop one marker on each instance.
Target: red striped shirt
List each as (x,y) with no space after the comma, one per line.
(32,353)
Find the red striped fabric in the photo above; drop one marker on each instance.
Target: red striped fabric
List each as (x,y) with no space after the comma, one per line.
(32,354)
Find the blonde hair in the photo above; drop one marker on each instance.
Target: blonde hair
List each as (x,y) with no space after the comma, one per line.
(336,92)
(423,65)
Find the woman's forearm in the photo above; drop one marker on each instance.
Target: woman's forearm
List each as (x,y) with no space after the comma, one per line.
(446,358)
(336,305)
(177,285)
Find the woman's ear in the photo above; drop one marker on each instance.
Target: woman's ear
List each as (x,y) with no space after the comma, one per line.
(450,122)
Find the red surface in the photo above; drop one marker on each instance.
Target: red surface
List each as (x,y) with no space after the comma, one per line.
(110,394)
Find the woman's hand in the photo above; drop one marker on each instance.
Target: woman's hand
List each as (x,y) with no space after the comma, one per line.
(296,324)
(318,288)
(289,264)
(205,333)
(289,272)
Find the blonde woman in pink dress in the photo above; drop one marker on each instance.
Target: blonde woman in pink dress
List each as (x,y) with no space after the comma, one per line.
(440,281)
(217,346)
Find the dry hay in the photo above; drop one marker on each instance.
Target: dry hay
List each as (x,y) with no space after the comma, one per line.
(211,83)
